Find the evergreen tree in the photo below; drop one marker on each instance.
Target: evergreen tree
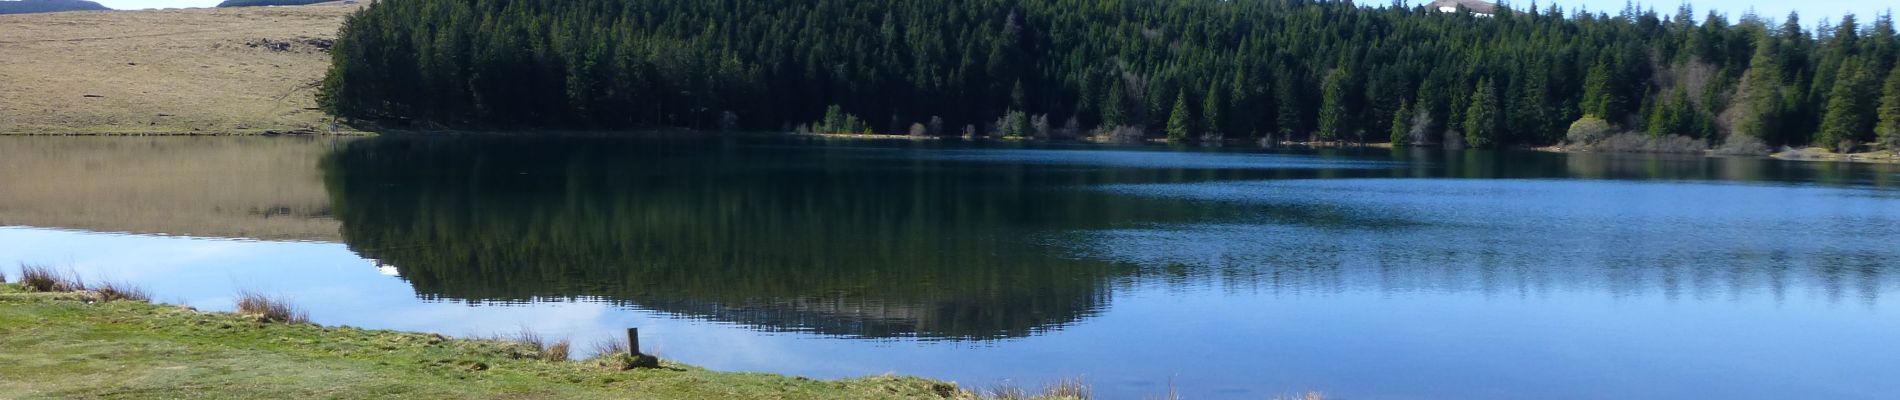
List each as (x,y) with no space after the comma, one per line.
(1840,125)
(1211,115)
(1759,99)
(1287,115)
(1481,118)
(1889,125)
(1529,115)
(1333,121)
(1112,105)
(1401,124)
(1598,95)
(627,64)
(1180,122)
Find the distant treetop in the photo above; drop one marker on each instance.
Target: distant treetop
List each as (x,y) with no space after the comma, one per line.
(46,6)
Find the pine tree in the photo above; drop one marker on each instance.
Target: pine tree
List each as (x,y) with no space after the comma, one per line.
(1112,111)
(1481,118)
(1180,122)
(1889,125)
(1287,114)
(1598,94)
(1840,122)
(1211,115)
(1333,121)
(1759,98)
(1529,115)
(1401,124)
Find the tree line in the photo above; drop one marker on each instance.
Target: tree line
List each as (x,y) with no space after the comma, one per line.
(1186,70)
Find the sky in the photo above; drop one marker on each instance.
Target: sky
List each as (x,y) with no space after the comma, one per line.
(1811,10)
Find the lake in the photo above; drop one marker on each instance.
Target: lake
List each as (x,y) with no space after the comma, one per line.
(1224,273)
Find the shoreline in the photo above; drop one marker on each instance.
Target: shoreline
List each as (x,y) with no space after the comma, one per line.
(1807,154)
(87,344)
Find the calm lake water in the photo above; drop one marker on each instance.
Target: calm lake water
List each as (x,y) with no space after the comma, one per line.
(1373,274)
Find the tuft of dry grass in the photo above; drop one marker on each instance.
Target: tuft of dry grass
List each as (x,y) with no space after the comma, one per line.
(1309,395)
(269,309)
(557,350)
(118,291)
(1006,391)
(609,347)
(1067,388)
(40,278)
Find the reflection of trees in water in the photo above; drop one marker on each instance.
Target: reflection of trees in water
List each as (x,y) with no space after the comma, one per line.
(1526,262)
(840,241)
(876,242)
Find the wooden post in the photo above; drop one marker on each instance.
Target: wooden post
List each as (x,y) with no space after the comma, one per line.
(633,342)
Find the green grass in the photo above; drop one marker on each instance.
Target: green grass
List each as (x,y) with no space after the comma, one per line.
(58,345)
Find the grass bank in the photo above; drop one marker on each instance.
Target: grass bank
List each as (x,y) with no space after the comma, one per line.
(74,345)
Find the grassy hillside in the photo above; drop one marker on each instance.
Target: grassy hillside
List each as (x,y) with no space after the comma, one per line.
(46,6)
(196,71)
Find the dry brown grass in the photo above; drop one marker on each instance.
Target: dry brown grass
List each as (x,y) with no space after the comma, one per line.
(268,309)
(608,347)
(1068,388)
(1309,395)
(120,291)
(162,71)
(249,187)
(40,278)
(542,347)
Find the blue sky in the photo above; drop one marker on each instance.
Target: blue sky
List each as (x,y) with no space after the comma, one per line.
(1811,10)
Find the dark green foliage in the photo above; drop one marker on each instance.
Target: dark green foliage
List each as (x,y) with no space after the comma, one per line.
(1333,121)
(1843,125)
(1285,68)
(257,3)
(1401,124)
(1888,127)
(1481,117)
(45,6)
(1180,121)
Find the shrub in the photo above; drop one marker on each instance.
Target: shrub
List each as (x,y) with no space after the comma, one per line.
(1743,145)
(1122,134)
(267,309)
(1639,143)
(1587,130)
(39,278)
(116,291)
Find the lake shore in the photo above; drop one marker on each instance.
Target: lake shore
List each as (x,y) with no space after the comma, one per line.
(73,345)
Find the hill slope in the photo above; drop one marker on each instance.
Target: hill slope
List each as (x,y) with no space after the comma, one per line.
(46,6)
(258,3)
(235,70)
